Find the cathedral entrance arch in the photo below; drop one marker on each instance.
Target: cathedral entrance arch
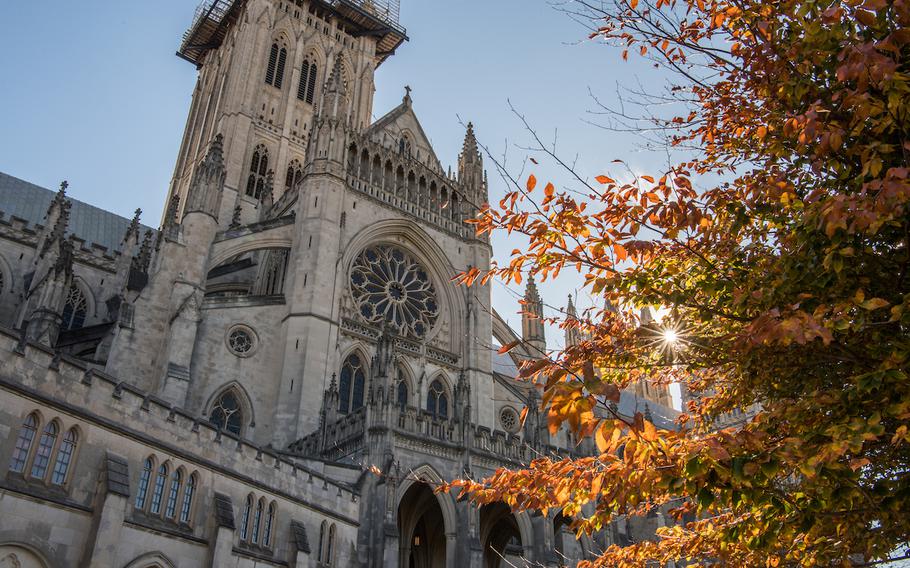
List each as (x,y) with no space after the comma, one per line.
(18,557)
(421,529)
(502,537)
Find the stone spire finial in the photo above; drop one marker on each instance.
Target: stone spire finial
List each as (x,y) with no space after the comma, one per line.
(171,226)
(143,260)
(531,292)
(215,155)
(407,96)
(336,79)
(133,229)
(61,223)
(532,327)
(469,149)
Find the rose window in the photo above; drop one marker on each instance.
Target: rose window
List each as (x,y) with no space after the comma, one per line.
(390,285)
(509,420)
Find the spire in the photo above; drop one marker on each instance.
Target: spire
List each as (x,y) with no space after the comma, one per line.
(143,260)
(205,192)
(573,334)
(61,214)
(532,328)
(469,149)
(132,232)
(171,226)
(470,169)
(334,102)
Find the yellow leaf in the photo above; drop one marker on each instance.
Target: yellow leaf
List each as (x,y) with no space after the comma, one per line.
(875,304)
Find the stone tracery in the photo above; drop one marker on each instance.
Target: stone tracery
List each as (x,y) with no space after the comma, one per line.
(390,285)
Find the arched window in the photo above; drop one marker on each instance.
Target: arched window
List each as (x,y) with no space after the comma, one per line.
(64,457)
(320,556)
(330,547)
(259,169)
(294,175)
(75,310)
(269,523)
(272,66)
(171,509)
(24,443)
(272,279)
(160,481)
(307,88)
(257,520)
(401,389)
(227,414)
(351,385)
(188,495)
(438,400)
(245,519)
(45,447)
(279,72)
(144,481)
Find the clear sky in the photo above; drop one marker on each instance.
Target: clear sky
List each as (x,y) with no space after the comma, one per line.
(93,93)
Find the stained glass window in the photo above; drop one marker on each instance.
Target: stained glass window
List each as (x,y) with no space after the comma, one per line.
(64,457)
(352,385)
(24,444)
(227,414)
(438,400)
(75,309)
(389,285)
(144,484)
(45,447)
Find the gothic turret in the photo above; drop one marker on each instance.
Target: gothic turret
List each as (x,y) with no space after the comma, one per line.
(532,328)
(49,283)
(470,169)
(573,334)
(206,187)
(335,102)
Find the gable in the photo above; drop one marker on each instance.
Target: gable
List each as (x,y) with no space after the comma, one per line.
(403,121)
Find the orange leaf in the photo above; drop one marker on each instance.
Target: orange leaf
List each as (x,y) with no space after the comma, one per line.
(648,179)
(633,4)
(506,348)
(549,190)
(532,183)
(604,180)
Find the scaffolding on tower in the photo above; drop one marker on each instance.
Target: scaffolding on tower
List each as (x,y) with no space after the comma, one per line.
(379,18)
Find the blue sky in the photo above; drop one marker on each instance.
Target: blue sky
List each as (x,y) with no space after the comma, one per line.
(94,94)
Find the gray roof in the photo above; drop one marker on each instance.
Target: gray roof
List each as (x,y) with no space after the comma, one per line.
(19,198)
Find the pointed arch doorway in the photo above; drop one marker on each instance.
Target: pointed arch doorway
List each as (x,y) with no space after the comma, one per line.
(421,529)
(500,537)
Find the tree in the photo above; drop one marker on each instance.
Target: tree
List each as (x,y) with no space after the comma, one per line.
(781,249)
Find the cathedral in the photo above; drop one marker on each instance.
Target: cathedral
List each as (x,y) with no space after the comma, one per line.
(282,371)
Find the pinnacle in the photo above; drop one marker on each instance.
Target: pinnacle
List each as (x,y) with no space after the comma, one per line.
(470,141)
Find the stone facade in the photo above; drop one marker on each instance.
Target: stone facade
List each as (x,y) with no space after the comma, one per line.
(282,372)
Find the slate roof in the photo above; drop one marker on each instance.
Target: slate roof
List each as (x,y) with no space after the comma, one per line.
(19,198)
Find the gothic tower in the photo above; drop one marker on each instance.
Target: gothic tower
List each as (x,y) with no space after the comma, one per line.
(265,111)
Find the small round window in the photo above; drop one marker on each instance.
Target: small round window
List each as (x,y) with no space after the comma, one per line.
(241,341)
(508,418)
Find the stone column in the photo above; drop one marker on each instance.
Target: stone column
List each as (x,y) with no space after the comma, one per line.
(114,495)
(300,546)
(221,546)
